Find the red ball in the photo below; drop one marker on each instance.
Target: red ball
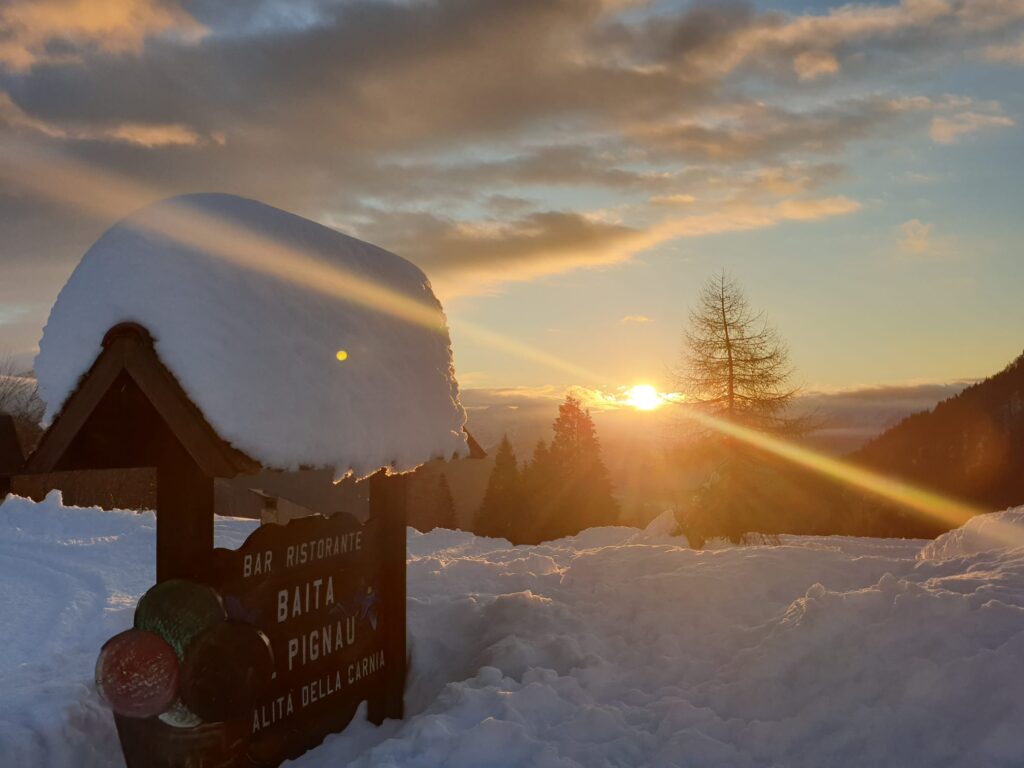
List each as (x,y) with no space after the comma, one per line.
(137,674)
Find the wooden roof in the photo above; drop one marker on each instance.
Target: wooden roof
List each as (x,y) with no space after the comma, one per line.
(128,350)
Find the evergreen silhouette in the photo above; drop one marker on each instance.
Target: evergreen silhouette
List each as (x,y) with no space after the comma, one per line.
(578,490)
(502,505)
(970,446)
(538,491)
(445,505)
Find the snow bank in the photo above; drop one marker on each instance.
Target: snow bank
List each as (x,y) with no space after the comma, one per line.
(997,530)
(596,650)
(250,307)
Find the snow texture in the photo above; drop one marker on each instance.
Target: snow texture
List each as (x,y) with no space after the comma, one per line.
(256,347)
(616,647)
(999,530)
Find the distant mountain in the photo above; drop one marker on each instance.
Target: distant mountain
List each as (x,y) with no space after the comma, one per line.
(970,446)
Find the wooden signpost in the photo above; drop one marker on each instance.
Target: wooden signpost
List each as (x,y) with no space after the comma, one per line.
(323,592)
(318,588)
(326,593)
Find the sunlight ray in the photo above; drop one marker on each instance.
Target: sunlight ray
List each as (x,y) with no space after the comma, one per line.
(948,510)
(106,195)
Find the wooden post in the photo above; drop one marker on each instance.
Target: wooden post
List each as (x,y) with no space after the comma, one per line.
(388,512)
(184,521)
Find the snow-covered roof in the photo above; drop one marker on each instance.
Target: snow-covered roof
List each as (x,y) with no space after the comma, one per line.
(300,345)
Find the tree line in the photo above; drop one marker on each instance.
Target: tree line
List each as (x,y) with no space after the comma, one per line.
(563,488)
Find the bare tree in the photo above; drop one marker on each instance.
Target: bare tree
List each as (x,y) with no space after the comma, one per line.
(19,398)
(735,366)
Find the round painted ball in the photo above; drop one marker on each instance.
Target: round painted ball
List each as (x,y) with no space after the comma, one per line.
(137,674)
(179,611)
(225,670)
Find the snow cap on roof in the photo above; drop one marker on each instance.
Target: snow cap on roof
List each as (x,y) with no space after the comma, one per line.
(302,347)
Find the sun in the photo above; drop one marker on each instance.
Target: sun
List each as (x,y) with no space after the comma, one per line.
(644,397)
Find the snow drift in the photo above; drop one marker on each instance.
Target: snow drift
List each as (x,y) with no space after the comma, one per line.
(984,533)
(611,648)
(252,309)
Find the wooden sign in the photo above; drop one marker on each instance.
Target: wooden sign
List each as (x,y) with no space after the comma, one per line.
(313,587)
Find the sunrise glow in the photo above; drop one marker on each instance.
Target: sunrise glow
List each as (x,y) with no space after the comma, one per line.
(644,397)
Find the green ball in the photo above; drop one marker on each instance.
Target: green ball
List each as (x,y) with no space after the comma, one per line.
(179,611)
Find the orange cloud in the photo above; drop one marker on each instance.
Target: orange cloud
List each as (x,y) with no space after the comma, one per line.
(949,130)
(148,135)
(114,26)
(1012,53)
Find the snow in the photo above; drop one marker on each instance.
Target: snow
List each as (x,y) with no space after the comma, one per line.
(999,530)
(252,323)
(616,647)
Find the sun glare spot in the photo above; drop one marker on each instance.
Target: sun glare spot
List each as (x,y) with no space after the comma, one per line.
(644,397)
(342,355)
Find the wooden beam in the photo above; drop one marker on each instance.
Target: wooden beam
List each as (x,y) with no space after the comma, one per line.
(388,496)
(78,407)
(186,421)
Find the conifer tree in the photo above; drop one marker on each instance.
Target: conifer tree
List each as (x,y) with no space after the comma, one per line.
(538,494)
(503,501)
(445,505)
(581,493)
(736,369)
(735,366)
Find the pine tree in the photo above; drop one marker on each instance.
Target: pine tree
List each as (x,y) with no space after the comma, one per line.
(538,494)
(445,505)
(503,501)
(581,492)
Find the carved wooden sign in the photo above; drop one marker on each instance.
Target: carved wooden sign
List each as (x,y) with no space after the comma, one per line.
(313,587)
(271,650)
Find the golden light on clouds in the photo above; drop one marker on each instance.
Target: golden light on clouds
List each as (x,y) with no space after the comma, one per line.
(114,26)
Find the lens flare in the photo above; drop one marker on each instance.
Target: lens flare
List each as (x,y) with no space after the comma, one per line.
(106,195)
(952,512)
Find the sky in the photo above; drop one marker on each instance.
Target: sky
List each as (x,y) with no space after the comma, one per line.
(566,172)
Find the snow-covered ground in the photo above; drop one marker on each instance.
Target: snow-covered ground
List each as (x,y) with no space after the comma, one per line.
(614,648)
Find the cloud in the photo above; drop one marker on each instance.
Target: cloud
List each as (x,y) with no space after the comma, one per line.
(636,320)
(1011,53)
(949,130)
(673,200)
(461,257)
(492,140)
(54,31)
(914,237)
(810,65)
(759,131)
(465,258)
(141,134)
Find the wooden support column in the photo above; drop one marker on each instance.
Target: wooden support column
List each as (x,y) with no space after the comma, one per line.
(184,521)
(388,498)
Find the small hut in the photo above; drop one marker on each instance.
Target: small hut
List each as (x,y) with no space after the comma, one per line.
(213,354)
